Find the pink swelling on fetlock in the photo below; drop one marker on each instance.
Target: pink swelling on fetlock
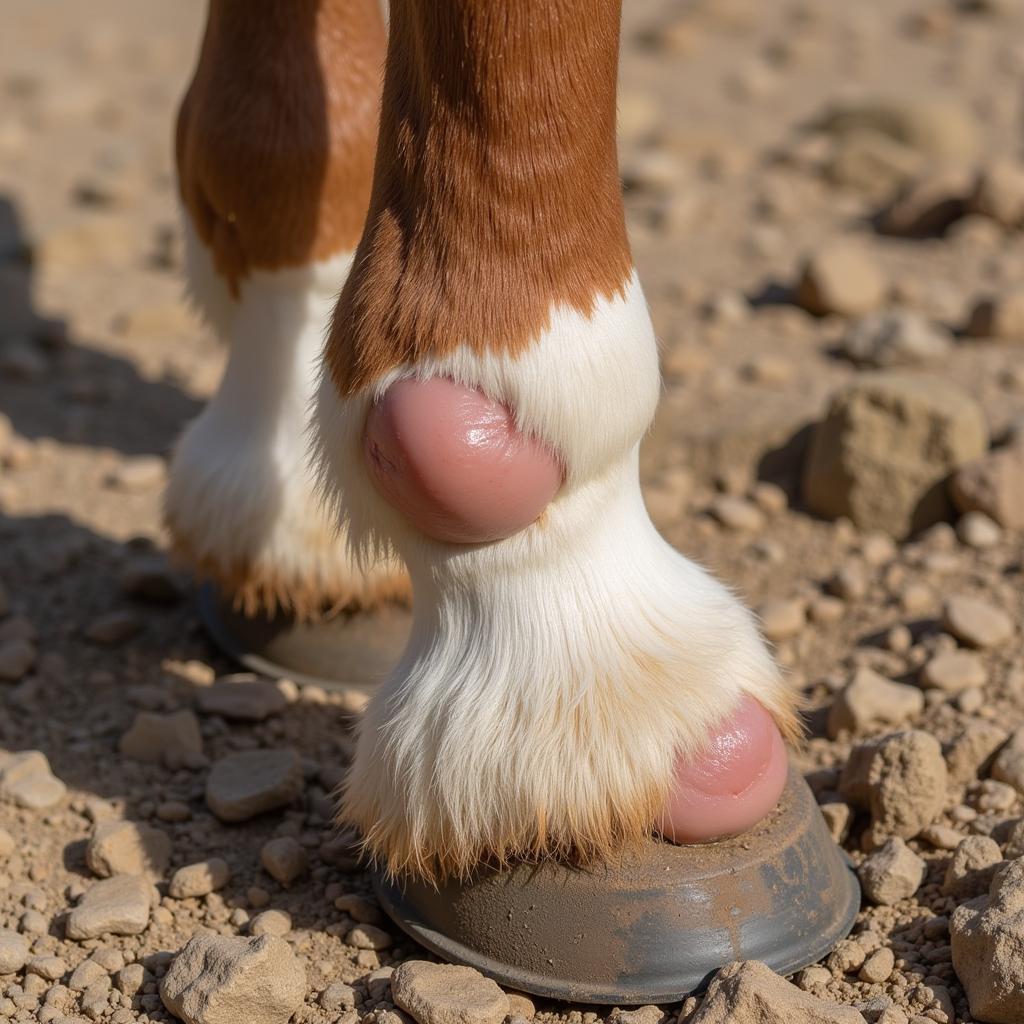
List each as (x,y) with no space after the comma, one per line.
(454,464)
(733,783)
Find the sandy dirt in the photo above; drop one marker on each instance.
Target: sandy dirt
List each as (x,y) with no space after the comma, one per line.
(730,183)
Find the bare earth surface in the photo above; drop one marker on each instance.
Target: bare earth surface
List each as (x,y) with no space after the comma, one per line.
(754,132)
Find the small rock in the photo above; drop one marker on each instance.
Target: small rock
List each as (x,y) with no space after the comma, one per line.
(972,867)
(240,786)
(883,452)
(737,514)
(87,973)
(1000,317)
(26,779)
(368,936)
(138,474)
(976,622)
(359,908)
(999,193)
(971,752)
(52,968)
(13,952)
(878,967)
(1008,765)
(150,578)
(114,628)
(153,737)
(748,992)
(870,701)
(271,922)
(993,485)
(847,956)
(838,817)
(243,697)
(199,879)
(17,657)
(446,994)
(115,906)
(892,873)
(896,338)
(929,204)
(128,848)
(284,859)
(641,1015)
(338,996)
(130,979)
(901,779)
(781,620)
(978,531)
(217,979)
(840,278)
(953,671)
(986,937)
(849,582)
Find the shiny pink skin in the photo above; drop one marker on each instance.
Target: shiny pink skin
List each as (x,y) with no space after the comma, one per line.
(732,784)
(453,463)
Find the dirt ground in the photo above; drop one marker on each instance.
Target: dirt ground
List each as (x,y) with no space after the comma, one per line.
(732,177)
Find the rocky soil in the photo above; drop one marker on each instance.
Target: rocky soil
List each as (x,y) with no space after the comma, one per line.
(826,202)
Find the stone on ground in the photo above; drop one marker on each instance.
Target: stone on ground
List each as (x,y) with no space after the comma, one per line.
(999,317)
(994,485)
(218,979)
(1008,765)
(284,859)
(976,622)
(26,779)
(972,751)
(446,994)
(115,906)
(749,992)
(901,779)
(999,193)
(870,701)
(241,786)
(154,737)
(199,879)
(842,277)
(972,866)
(953,672)
(14,950)
(16,658)
(892,873)
(896,338)
(887,445)
(243,698)
(128,848)
(987,940)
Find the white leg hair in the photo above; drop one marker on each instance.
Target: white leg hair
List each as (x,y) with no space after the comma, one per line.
(551,678)
(241,501)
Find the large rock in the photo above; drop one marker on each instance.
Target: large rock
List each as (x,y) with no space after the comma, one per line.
(218,979)
(748,992)
(887,445)
(901,779)
(994,485)
(987,940)
(446,994)
(115,906)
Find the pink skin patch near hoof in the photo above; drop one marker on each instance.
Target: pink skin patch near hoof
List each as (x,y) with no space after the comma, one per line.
(732,783)
(454,464)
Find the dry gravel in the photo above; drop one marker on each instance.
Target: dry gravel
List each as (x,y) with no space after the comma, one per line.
(826,203)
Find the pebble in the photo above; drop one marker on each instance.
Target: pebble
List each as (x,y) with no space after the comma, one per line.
(842,277)
(972,866)
(1008,765)
(114,906)
(885,448)
(737,514)
(130,979)
(153,737)
(359,908)
(271,922)
(52,968)
(14,952)
(998,317)
(200,879)
(972,750)
(241,786)
(138,474)
(901,779)
(243,697)
(26,779)
(216,977)
(128,848)
(826,610)
(954,671)
(870,701)
(892,873)
(368,936)
(929,204)
(447,994)
(284,859)
(114,628)
(942,837)
(895,338)
(994,486)
(848,955)
(987,946)
(849,582)
(87,973)
(338,996)
(749,992)
(17,657)
(878,967)
(978,531)
(975,622)
(782,619)
(999,193)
